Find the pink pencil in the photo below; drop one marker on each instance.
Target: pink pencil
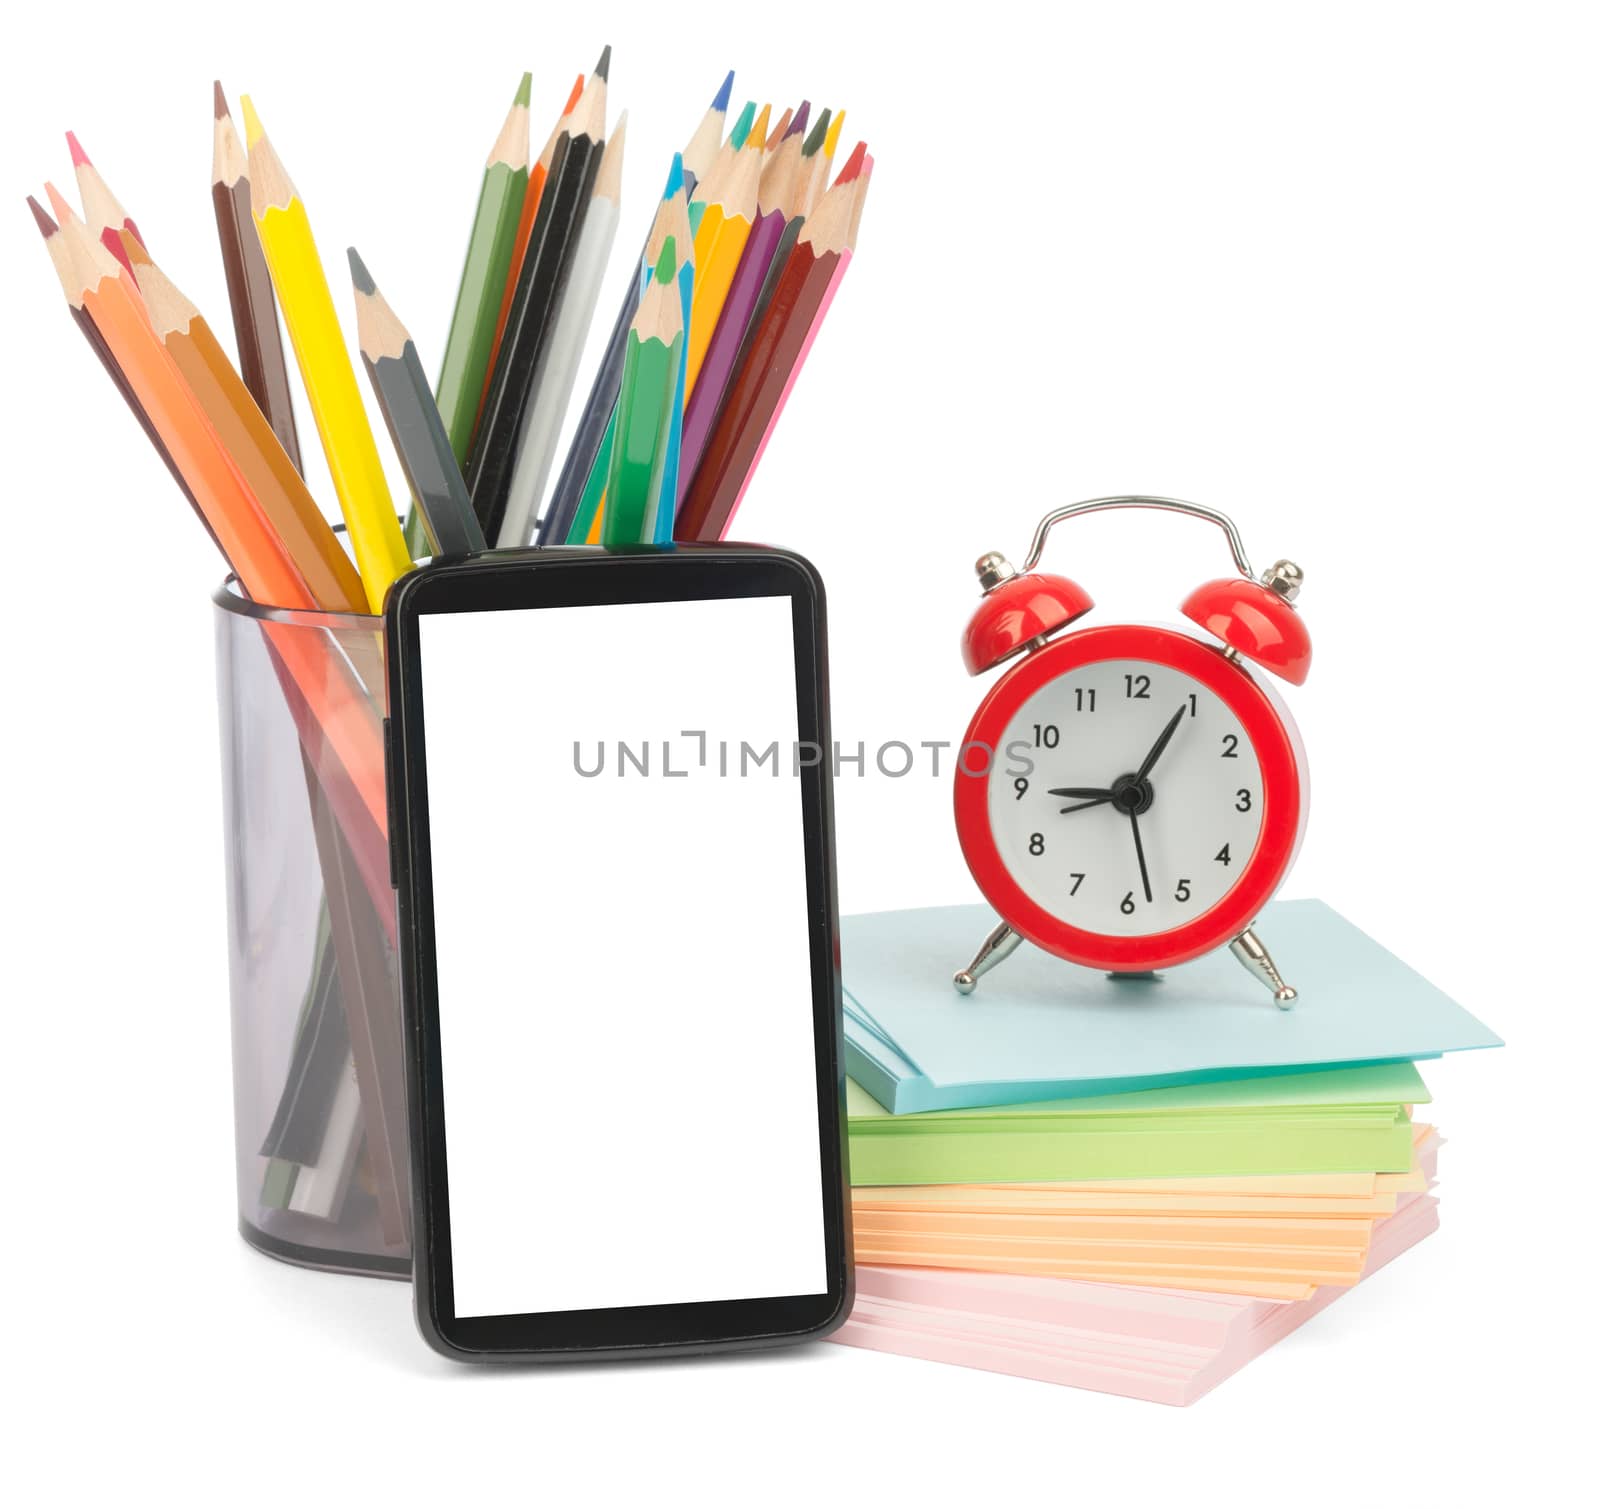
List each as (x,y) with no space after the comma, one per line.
(856,169)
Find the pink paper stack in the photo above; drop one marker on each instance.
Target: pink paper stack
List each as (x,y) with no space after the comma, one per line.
(1170,1346)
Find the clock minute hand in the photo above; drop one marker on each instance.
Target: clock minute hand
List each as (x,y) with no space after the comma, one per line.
(1161,744)
(1099,793)
(1138,844)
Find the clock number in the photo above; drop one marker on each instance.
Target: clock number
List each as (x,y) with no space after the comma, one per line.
(1223,857)
(1243,804)
(1230,746)
(1077,880)
(1138,686)
(1194,705)
(1046,736)
(1182,893)
(1127,905)
(1084,697)
(1036,844)
(1021,783)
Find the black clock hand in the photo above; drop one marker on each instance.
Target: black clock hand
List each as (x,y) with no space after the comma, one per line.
(1098,796)
(1160,744)
(1099,801)
(1138,844)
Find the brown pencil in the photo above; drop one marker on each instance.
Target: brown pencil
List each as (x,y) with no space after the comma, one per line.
(262,363)
(757,393)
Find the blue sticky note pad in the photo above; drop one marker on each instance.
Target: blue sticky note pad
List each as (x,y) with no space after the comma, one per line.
(1038,1028)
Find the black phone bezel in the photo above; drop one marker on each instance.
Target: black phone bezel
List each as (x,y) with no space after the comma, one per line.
(548,578)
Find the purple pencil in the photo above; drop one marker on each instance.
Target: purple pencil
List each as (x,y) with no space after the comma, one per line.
(775,205)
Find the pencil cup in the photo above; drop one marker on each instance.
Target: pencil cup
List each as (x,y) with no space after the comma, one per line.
(318,1073)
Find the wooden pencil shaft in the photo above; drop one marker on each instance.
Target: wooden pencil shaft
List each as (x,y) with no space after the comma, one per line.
(734,323)
(739,432)
(330,384)
(593,424)
(80,318)
(262,362)
(267,469)
(372,1018)
(649,378)
(425,452)
(472,325)
(541,427)
(540,285)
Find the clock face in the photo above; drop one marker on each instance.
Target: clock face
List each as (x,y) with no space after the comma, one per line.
(1091,840)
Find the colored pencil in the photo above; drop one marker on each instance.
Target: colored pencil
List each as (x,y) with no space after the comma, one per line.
(263,464)
(262,363)
(758,394)
(415,424)
(576,503)
(706,142)
(71,289)
(818,156)
(742,127)
(775,205)
(547,406)
(106,218)
(325,368)
(720,241)
(649,379)
(540,288)
(531,197)
(708,183)
(663,504)
(468,346)
(777,132)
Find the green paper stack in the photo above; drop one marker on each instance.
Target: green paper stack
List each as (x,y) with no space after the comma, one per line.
(1331,1121)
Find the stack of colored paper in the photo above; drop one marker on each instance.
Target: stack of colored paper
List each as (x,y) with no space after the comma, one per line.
(1129,1186)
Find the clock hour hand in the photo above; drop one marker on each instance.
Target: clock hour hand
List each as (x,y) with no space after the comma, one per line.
(1160,745)
(1097,796)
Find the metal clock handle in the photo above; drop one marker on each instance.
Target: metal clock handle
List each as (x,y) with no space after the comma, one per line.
(1138,500)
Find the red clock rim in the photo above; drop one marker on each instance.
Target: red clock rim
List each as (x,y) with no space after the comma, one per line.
(1281,793)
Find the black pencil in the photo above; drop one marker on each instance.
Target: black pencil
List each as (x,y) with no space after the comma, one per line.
(390,357)
(540,286)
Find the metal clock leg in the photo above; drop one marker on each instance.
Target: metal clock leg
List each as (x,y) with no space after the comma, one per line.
(995,949)
(1251,952)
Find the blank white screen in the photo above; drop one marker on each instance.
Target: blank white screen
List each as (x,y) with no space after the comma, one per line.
(625,1004)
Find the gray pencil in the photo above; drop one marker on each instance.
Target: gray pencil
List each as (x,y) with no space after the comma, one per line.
(406,398)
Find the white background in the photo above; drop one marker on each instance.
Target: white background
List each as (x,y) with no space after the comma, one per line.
(625,1148)
(1331,268)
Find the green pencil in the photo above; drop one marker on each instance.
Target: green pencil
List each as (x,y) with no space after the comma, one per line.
(483,283)
(644,404)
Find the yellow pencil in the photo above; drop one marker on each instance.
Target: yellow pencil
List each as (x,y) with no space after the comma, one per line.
(325,367)
(830,142)
(719,243)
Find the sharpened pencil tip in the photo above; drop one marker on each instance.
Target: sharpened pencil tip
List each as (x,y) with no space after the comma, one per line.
(59,203)
(602,69)
(80,158)
(720,103)
(674,176)
(852,168)
(219,102)
(358,272)
(757,139)
(831,144)
(252,122)
(741,127)
(524,93)
(667,260)
(47,226)
(798,124)
(819,132)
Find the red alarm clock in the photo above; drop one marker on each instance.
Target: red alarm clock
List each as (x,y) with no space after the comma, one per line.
(1129,796)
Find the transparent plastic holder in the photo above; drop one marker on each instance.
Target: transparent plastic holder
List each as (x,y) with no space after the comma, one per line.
(320,1140)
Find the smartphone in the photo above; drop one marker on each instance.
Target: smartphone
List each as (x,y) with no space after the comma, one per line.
(612,839)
